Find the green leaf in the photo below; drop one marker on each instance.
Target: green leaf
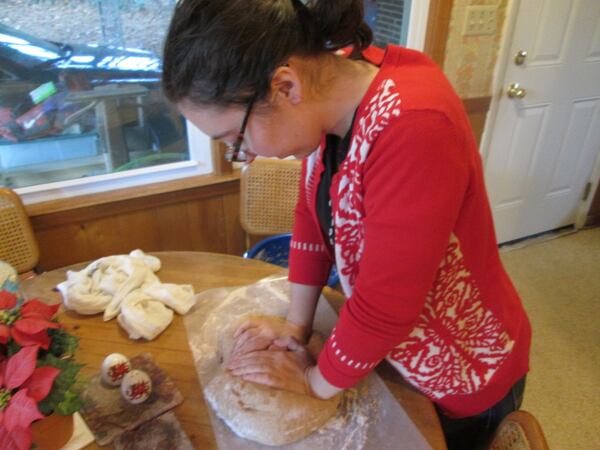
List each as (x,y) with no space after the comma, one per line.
(63,397)
(71,404)
(62,343)
(13,347)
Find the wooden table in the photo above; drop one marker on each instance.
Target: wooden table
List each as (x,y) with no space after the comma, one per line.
(171,351)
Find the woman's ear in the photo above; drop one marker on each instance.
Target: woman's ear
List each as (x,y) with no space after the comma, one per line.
(286,85)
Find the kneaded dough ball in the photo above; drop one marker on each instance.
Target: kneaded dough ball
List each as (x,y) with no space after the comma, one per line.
(263,414)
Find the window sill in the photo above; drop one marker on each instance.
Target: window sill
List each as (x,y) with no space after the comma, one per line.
(129,193)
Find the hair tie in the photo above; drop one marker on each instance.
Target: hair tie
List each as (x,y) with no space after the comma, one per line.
(300,3)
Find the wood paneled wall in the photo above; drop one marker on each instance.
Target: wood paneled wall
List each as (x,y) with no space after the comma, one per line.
(204,218)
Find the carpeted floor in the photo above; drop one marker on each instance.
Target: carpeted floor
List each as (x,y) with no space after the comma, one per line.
(559,282)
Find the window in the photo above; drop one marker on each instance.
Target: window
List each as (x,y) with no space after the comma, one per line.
(5,75)
(80,94)
(389,21)
(399,22)
(80,102)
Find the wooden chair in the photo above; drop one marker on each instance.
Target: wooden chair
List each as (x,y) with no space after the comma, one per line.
(18,245)
(269,192)
(519,431)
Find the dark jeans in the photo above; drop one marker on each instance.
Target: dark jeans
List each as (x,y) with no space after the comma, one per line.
(474,433)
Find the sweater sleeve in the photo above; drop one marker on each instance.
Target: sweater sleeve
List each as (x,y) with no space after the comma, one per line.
(415,178)
(310,261)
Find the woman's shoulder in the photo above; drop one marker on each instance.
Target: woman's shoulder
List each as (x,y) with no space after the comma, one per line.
(408,81)
(416,80)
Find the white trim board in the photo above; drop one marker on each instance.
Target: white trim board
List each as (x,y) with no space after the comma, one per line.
(417,26)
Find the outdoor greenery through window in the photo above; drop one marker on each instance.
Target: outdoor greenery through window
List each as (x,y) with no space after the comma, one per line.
(80,90)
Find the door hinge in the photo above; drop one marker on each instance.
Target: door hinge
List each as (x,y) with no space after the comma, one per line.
(587,190)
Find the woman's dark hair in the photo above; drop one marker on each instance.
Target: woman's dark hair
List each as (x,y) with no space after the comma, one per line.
(221,52)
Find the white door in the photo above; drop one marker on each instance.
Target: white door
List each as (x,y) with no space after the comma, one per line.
(543,145)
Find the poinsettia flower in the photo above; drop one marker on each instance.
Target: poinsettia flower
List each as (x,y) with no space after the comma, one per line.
(22,385)
(31,326)
(18,439)
(8,300)
(4,334)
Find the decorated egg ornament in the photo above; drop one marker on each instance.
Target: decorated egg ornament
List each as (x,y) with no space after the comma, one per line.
(136,387)
(114,367)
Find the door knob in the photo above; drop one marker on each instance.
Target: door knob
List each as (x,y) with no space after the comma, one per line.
(520,57)
(516,91)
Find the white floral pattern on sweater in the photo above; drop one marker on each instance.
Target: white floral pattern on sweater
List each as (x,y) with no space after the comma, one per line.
(472,344)
(348,214)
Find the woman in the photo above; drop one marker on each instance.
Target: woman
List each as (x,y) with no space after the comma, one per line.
(392,191)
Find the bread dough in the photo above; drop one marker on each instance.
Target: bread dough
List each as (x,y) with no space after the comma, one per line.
(260,413)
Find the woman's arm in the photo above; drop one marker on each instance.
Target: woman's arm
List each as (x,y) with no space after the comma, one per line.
(303,305)
(317,385)
(260,333)
(289,367)
(309,263)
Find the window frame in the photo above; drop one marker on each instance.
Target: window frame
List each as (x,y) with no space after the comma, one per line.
(200,163)
(417,24)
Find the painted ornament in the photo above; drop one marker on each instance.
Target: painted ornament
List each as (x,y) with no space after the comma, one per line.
(136,387)
(114,367)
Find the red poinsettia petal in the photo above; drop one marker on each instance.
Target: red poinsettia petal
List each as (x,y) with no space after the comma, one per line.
(2,369)
(23,437)
(40,383)
(26,340)
(35,308)
(34,325)
(4,334)
(18,439)
(20,367)
(21,411)
(8,300)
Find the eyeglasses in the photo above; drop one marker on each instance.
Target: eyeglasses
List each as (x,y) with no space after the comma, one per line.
(234,152)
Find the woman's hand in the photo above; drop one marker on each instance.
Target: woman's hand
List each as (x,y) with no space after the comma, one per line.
(283,366)
(260,333)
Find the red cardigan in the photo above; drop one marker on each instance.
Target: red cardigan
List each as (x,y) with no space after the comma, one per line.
(415,247)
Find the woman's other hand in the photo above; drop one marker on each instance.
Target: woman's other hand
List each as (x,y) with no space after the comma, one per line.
(283,366)
(260,333)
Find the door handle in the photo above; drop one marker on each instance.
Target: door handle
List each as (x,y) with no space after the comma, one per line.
(520,57)
(516,91)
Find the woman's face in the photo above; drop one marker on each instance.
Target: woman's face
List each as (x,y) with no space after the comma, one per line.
(290,123)
(280,130)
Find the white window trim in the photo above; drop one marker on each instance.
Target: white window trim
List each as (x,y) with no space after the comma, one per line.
(417,25)
(200,164)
